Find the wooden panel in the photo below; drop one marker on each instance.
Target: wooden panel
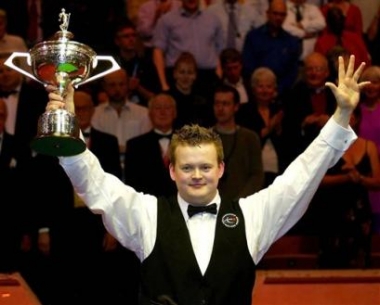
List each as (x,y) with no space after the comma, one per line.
(316,287)
(15,291)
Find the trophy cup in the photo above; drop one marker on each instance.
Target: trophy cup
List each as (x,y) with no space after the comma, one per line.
(59,62)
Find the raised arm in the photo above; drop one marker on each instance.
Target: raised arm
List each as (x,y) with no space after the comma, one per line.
(347,92)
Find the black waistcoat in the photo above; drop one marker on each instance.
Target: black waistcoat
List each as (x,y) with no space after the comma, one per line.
(171,271)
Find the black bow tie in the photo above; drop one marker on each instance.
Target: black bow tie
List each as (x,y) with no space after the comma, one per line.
(163,136)
(7,93)
(192,210)
(86,134)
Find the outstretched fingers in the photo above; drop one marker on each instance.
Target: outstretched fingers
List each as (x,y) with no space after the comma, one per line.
(351,66)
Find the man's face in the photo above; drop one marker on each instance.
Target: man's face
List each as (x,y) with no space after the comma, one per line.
(316,72)
(197,173)
(84,109)
(232,71)
(185,75)
(224,107)
(126,39)
(372,90)
(276,14)
(116,86)
(162,113)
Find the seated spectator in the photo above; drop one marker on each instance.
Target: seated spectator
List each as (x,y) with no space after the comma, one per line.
(344,205)
(370,127)
(119,116)
(243,171)
(263,114)
(131,56)
(232,73)
(335,34)
(192,108)
(162,112)
(307,107)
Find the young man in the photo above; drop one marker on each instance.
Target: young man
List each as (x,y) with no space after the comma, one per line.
(243,167)
(209,258)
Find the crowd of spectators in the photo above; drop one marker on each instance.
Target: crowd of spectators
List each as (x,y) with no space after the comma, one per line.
(262,91)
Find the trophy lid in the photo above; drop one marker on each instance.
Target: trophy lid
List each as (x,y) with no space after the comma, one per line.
(60,56)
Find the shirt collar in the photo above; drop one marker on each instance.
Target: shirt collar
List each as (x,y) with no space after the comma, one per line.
(187,14)
(163,133)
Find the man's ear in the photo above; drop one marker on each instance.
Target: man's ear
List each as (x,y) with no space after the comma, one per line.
(221,169)
(172,171)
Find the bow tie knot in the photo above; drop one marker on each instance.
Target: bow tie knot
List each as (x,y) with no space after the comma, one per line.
(164,136)
(192,210)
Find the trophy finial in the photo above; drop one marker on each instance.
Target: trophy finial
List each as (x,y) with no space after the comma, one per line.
(64,18)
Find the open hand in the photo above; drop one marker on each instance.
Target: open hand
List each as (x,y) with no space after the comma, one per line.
(347,92)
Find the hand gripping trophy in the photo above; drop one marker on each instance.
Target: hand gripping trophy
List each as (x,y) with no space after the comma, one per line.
(59,62)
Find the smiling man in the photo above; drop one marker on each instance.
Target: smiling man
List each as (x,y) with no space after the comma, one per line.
(198,247)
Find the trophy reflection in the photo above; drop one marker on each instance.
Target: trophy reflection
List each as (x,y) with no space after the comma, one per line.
(59,62)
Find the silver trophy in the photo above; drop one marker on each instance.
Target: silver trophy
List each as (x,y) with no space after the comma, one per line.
(59,62)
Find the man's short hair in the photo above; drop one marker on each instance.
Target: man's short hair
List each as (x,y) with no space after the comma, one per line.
(195,135)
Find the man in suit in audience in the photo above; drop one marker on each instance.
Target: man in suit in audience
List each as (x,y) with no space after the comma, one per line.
(103,145)
(154,144)
(307,107)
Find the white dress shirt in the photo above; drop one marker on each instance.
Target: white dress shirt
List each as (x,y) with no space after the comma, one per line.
(246,18)
(132,121)
(132,217)
(313,22)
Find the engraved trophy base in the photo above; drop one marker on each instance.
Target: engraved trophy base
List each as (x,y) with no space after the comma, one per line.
(58,134)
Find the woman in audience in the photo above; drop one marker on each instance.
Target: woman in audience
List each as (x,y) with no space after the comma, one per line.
(263,114)
(370,127)
(344,205)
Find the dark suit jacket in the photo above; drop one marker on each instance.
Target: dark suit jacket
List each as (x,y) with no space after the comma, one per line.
(297,106)
(31,105)
(144,168)
(106,148)
(10,225)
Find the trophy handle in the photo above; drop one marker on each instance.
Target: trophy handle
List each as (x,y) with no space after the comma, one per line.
(115,66)
(9,63)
